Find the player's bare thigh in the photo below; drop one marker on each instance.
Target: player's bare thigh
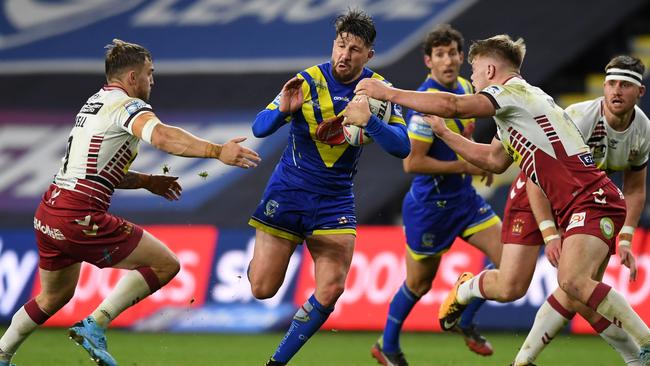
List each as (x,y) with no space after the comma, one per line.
(57,287)
(151,252)
(581,260)
(332,255)
(489,242)
(268,267)
(512,279)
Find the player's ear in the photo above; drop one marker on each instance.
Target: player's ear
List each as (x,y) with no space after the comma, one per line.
(491,71)
(427,61)
(371,53)
(461,56)
(641,91)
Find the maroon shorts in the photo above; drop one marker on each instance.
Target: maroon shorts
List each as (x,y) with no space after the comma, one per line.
(520,227)
(96,237)
(598,212)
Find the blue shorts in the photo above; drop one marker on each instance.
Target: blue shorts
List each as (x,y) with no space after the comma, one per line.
(431,228)
(293,213)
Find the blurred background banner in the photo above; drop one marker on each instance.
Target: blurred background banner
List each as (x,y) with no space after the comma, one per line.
(212,292)
(218,63)
(212,36)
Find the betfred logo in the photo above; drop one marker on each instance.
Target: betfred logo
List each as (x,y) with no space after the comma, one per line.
(194,246)
(378,269)
(67,25)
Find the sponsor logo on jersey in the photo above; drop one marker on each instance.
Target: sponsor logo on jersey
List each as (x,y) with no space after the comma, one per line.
(493,90)
(91,108)
(53,233)
(607,227)
(134,106)
(577,220)
(586,158)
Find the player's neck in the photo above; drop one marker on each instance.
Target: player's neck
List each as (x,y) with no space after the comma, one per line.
(118,84)
(618,122)
(450,86)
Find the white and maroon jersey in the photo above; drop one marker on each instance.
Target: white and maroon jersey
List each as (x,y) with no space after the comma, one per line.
(542,139)
(100,149)
(612,150)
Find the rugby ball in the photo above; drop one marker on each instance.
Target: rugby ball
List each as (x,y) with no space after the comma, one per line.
(356,136)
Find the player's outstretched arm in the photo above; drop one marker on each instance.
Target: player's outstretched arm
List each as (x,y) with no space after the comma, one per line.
(491,157)
(163,185)
(392,137)
(177,141)
(441,104)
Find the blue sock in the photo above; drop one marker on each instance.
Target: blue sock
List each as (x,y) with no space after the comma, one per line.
(306,322)
(467,318)
(399,309)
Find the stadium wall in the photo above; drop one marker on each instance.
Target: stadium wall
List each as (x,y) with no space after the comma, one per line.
(212,294)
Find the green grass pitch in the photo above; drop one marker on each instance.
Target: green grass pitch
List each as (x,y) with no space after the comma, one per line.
(51,347)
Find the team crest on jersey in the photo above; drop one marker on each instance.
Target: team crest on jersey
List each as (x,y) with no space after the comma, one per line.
(518,226)
(134,106)
(493,90)
(577,220)
(270,208)
(607,227)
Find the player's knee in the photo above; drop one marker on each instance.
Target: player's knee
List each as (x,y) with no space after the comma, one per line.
(419,288)
(50,303)
(167,268)
(263,291)
(569,284)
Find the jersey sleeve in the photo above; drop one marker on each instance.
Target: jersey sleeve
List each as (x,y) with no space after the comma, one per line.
(128,111)
(420,130)
(500,95)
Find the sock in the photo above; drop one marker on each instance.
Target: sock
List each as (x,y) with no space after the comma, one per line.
(133,287)
(612,305)
(399,309)
(619,340)
(306,322)
(467,318)
(549,320)
(23,323)
(471,289)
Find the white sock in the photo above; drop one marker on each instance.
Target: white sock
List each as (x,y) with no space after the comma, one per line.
(548,323)
(623,344)
(469,290)
(129,290)
(616,309)
(21,327)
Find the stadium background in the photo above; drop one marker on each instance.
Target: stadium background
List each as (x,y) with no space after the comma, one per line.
(217,64)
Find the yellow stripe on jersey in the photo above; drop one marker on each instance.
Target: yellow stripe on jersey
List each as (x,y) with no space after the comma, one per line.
(414,136)
(329,154)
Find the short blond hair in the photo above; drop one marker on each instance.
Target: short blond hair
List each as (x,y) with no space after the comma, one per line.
(501,47)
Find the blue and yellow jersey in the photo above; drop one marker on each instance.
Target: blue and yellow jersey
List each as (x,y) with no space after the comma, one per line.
(322,162)
(428,187)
